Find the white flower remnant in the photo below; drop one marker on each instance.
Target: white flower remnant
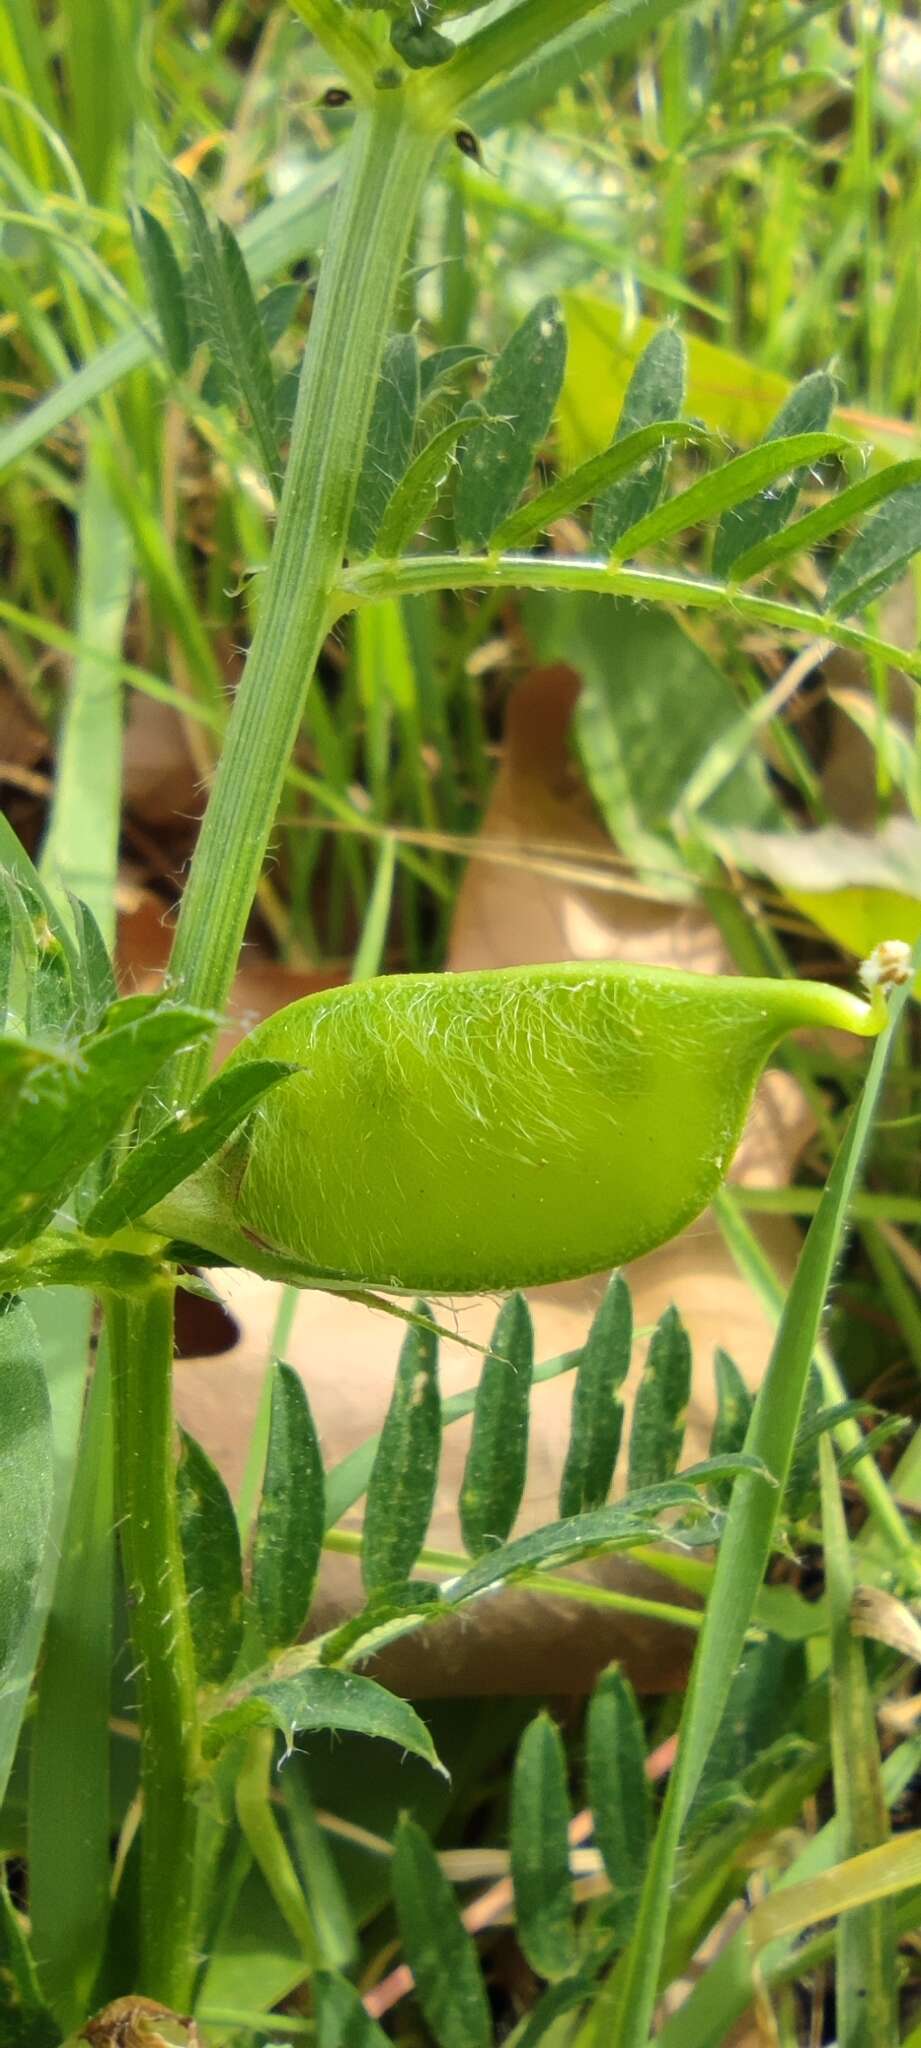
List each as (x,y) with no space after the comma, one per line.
(888,965)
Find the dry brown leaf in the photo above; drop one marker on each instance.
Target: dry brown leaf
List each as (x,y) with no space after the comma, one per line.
(161,782)
(139,2023)
(879,1615)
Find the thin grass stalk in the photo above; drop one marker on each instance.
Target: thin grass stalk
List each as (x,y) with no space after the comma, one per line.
(743,1557)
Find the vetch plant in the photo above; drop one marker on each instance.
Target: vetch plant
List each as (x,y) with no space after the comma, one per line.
(587,1113)
(407,1134)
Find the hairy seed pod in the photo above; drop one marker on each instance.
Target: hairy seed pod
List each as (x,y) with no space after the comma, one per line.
(450,1133)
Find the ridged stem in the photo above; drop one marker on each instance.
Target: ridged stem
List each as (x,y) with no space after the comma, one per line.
(141,1333)
(391,152)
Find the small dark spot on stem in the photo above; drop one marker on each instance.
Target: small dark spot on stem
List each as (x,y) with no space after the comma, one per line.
(468,144)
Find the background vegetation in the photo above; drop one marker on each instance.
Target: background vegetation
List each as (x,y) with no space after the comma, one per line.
(749,174)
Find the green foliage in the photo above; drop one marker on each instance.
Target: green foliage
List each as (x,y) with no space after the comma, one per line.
(440,1952)
(655,393)
(212,1563)
(289,1523)
(223,303)
(539,1842)
(762,181)
(326,1896)
(744,527)
(342,2021)
(618,1790)
(496,1466)
(519,400)
(66,1106)
(417,490)
(70,1763)
(661,1404)
(401,1489)
(390,439)
(871,564)
(180,1145)
(27,2022)
(163,277)
(25,1469)
(319,1700)
(597,1412)
(733,1406)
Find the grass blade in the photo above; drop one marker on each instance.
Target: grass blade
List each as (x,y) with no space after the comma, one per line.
(63,1319)
(264,1838)
(565,60)
(876,1874)
(539,1847)
(81,847)
(727,1988)
(324,1890)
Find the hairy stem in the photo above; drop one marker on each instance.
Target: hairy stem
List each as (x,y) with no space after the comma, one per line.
(391,152)
(418,573)
(141,1333)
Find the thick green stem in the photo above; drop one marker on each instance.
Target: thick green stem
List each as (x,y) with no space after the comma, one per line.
(141,1332)
(391,152)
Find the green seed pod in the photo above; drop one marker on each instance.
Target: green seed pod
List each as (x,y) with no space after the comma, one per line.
(452,1133)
